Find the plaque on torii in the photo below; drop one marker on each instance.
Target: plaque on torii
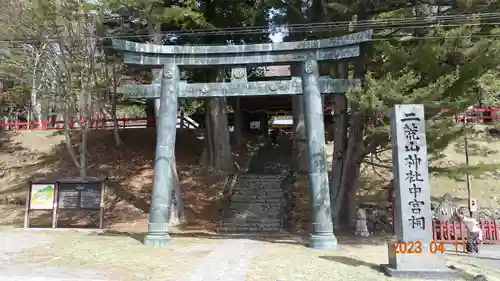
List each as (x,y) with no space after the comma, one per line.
(169,88)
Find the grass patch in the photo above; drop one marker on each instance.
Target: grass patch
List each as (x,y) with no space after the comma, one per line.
(121,257)
(350,262)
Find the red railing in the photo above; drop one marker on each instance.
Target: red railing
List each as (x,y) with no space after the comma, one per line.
(456,232)
(127,122)
(93,124)
(460,115)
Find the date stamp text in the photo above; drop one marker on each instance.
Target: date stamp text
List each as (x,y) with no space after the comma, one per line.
(415,247)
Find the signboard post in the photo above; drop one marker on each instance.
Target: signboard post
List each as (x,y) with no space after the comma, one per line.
(84,195)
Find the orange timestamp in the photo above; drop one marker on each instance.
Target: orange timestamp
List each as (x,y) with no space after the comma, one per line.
(415,247)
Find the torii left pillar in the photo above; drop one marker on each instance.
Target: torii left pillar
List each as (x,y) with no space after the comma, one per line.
(164,158)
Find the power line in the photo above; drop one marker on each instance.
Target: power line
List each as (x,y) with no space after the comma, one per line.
(396,23)
(378,24)
(401,38)
(345,25)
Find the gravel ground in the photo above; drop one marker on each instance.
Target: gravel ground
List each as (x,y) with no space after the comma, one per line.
(17,241)
(489,256)
(14,243)
(228,262)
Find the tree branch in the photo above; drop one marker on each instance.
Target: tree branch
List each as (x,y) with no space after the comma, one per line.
(376,164)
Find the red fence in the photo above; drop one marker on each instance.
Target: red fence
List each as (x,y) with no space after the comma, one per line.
(93,124)
(138,122)
(492,113)
(129,122)
(456,232)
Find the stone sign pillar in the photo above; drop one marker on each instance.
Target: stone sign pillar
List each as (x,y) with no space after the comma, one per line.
(322,228)
(413,253)
(164,158)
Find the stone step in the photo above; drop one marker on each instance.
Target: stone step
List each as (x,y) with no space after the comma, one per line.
(253,220)
(275,190)
(255,195)
(255,206)
(261,177)
(252,213)
(252,224)
(250,230)
(251,227)
(259,182)
(255,199)
(257,188)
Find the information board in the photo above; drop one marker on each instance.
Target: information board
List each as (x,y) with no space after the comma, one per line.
(90,197)
(68,196)
(79,196)
(42,196)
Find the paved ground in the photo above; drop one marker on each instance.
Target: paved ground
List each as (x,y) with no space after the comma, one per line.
(489,255)
(227,262)
(14,242)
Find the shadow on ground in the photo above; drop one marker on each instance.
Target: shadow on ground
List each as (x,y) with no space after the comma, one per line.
(281,238)
(356,263)
(351,262)
(473,256)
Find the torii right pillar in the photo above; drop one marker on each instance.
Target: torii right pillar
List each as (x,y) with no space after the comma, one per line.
(321,236)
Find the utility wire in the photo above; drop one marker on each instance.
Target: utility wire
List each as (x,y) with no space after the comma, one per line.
(377,24)
(362,24)
(396,23)
(401,38)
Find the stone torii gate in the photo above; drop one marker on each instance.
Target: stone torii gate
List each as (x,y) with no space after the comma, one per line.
(238,58)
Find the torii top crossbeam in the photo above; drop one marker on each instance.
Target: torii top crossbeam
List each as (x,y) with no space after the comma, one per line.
(248,54)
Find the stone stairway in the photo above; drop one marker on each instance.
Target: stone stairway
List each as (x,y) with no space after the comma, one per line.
(257,200)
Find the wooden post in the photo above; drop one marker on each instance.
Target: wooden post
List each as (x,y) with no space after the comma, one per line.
(27,208)
(101,214)
(55,205)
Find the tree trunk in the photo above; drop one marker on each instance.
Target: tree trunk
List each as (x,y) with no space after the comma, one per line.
(351,169)
(340,124)
(150,113)
(206,158)
(345,203)
(84,116)
(238,121)
(116,127)
(344,191)
(83,150)
(217,152)
(69,141)
(152,106)
(35,109)
(220,147)
(339,149)
(264,124)
(299,164)
(177,214)
(114,102)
